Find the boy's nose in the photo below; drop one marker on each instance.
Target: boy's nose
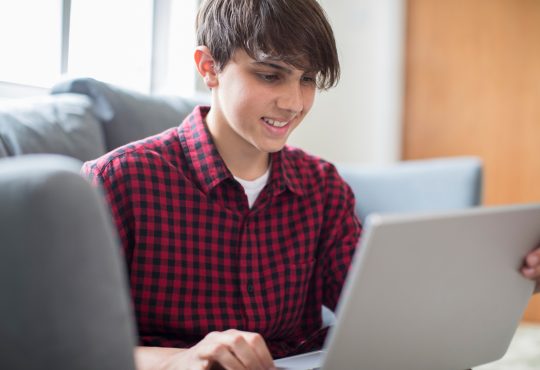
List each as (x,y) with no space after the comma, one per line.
(291,99)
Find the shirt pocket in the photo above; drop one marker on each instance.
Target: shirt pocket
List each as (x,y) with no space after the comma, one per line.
(285,293)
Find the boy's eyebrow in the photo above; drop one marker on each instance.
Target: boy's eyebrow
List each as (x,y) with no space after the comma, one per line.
(273,65)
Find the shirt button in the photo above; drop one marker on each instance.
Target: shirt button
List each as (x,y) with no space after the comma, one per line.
(250,289)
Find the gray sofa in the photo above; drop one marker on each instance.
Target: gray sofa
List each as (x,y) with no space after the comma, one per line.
(85,118)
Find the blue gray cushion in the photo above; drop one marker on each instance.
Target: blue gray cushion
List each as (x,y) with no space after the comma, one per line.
(128,115)
(415,186)
(61,124)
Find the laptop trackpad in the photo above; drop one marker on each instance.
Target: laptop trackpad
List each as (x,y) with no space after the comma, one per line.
(306,361)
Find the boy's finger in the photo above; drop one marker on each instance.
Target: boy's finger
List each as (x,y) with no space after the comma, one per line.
(533,258)
(259,346)
(531,272)
(245,353)
(227,360)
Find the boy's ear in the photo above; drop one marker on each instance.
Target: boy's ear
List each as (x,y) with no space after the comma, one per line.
(206,66)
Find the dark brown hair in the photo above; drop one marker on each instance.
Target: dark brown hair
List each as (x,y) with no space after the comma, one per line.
(296,32)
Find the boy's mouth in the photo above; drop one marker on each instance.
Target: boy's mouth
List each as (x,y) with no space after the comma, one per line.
(275,123)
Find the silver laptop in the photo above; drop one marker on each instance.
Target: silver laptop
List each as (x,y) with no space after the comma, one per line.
(431,291)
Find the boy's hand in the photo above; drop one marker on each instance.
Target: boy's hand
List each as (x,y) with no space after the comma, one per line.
(230,350)
(531,267)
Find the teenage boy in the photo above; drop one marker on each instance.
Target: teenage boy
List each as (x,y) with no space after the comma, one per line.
(233,240)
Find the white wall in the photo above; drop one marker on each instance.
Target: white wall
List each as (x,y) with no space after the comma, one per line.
(359,121)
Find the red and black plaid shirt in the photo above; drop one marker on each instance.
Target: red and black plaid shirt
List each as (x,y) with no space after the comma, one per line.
(200,260)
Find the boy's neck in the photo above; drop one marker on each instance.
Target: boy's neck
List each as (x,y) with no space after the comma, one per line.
(244,166)
(243,160)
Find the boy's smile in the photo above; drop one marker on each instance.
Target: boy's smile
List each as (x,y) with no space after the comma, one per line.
(256,104)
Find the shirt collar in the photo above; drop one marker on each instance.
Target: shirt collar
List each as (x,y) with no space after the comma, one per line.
(200,150)
(208,166)
(285,172)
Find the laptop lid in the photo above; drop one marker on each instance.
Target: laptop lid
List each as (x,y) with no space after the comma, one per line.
(434,291)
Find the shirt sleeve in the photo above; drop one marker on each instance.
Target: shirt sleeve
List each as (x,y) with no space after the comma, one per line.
(110,178)
(340,235)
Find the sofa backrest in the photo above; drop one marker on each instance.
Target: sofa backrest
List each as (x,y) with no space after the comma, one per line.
(127,115)
(62,124)
(84,118)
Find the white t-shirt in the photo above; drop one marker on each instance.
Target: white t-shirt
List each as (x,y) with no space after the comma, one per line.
(253,188)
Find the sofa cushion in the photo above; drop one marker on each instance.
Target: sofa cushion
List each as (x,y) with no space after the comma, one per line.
(128,115)
(61,124)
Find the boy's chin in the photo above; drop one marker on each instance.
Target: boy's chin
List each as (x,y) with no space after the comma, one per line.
(273,148)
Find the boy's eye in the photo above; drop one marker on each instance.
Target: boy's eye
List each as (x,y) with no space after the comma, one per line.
(268,77)
(308,79)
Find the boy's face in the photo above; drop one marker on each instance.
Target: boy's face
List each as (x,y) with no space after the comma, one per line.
(258,103)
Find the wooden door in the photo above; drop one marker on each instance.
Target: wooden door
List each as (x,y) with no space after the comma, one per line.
(473,88)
